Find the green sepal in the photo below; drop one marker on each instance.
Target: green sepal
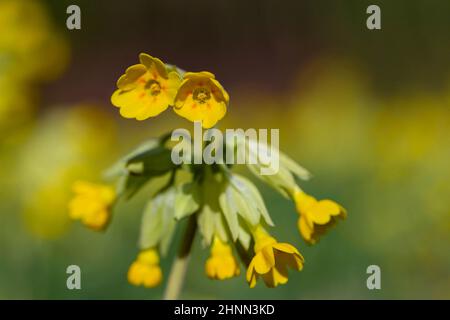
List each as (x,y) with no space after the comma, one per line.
(187,200)
(158,222)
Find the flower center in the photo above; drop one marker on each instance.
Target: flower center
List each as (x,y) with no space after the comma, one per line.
(202,95)
(154,87)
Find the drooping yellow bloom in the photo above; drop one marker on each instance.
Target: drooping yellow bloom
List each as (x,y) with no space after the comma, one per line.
(146,89)
(272,259)
(221,264)
(91,204)
(145,270)
(316,217)
(201,98)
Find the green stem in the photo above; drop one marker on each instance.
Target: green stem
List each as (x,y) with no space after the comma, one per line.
(179,267)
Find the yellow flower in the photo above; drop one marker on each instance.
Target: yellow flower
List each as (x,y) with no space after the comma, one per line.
(221,264)
(91,204)
(316,217)
(271,260)
(146,89)
(201,98)
(30,22)
(145,271)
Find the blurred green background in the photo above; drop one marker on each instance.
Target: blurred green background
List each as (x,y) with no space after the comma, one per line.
(367,112)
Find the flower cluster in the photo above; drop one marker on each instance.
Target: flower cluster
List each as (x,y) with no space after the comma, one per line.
(226,208)
(150,87)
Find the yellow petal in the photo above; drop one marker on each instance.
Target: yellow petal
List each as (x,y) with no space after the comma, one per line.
(129,79)
(213,112)
(149,256)
(250,270)
(172,86)
(253,279)
(199,75)
(138,104)
(220,93)
(303,201)
(286,247)
(154,106)
(153,64)
(264,260)
(304,229)
(280,275)
(153,277)
(269,279)
(321,213)
(135,273)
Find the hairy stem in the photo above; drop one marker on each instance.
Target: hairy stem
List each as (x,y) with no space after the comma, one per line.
(179,266)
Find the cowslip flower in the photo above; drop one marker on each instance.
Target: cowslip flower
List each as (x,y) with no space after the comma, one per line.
(316,217)
(271,260)
(146,89)
(201,98)
(145,270)
(221,264)
(226,209)
(91,204)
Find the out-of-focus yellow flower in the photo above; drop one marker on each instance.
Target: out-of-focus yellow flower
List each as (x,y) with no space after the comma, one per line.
(60,151)
(16,105)
(201,98)
(26,34)
(145,270)
(221,264)
(146,89)
(272,259)
(316,217)
(44,207)
(91,204)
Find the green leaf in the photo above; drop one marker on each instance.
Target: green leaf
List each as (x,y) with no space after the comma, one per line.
(152,162)
(251,192)
(158,221)
(169,222)
(119,167)
(187,200)
(283,180)
(230,212)
(294,167)
(245,209)
(206,221)
(152,223)
(133,184)
(244,236)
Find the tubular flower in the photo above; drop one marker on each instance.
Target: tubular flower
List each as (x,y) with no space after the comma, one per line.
(225,208)
(201,98)
(145,270)
(91,204)
(146,89)
(221,264)
(316,217)
(271,260)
